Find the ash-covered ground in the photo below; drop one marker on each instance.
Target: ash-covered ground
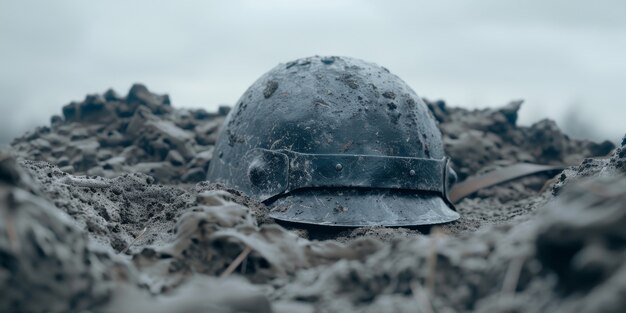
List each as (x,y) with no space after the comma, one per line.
(106,210)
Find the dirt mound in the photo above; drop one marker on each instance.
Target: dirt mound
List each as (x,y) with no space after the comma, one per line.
(478,140)
(569,258)
(46,261)
(106,135)
(98,215)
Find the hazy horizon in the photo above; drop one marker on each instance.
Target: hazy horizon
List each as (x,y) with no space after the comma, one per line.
(565,58)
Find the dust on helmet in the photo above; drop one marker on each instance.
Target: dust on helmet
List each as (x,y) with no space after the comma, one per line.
(336,141)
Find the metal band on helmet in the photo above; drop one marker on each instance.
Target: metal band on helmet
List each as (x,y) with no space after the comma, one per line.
(275,172)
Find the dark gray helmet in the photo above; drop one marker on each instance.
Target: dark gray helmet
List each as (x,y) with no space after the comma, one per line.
(336,141)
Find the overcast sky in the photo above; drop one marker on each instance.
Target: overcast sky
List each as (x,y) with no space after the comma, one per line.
(567,59)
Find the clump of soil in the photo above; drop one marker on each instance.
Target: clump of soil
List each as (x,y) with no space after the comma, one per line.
(47,263)
(99,212)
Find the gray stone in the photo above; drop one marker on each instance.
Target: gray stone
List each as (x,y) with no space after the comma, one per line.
(194,175)
(160,171)
(175,158)
(140,95)
(110,95)
(202,159)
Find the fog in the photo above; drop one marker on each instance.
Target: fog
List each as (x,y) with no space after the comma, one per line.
(565,58)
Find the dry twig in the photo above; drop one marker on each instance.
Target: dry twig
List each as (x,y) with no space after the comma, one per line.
(421,296)
(12,233)
(432,260)
(242,256)
(134,240)
(511,277)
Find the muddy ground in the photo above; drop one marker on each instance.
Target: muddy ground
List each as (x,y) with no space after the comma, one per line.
(106,210)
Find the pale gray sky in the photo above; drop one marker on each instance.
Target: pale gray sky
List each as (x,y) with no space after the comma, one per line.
(565,58)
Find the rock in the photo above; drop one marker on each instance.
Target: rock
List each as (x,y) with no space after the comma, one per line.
(160,171)
(103,154)
(510,111)
(85,154)
(67,169)
(617,162)
(133,155)
(56,119)
(93,108)
(70,111)
(42,145)
(202,159)
(79,134)
(157,136)
(84,162)
(590,167)
(110,95)
(194,175)
(175,158)
(140,95)
(208,140)
(113,138)
(602,148)
(205,130)
(63,161)
(223,110)
(201,114)
(115,163)
(550,143)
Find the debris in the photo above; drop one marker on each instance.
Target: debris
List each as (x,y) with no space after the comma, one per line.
(143,231)
(236,262)
(107,134)
(74,194)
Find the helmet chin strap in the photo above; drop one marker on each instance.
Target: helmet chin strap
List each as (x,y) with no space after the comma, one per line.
(498,176)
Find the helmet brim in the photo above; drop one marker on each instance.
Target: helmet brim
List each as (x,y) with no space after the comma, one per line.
(361,207)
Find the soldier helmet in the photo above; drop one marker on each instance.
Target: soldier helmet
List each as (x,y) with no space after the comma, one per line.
(336,141)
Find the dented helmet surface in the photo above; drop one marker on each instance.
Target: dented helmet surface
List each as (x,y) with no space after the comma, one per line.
(336,141)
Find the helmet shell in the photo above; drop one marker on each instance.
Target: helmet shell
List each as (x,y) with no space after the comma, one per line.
(334,106)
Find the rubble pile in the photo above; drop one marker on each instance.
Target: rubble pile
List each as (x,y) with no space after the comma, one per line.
(91,240)
(569,258)
(478,140)
(97,213)
(106,134)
